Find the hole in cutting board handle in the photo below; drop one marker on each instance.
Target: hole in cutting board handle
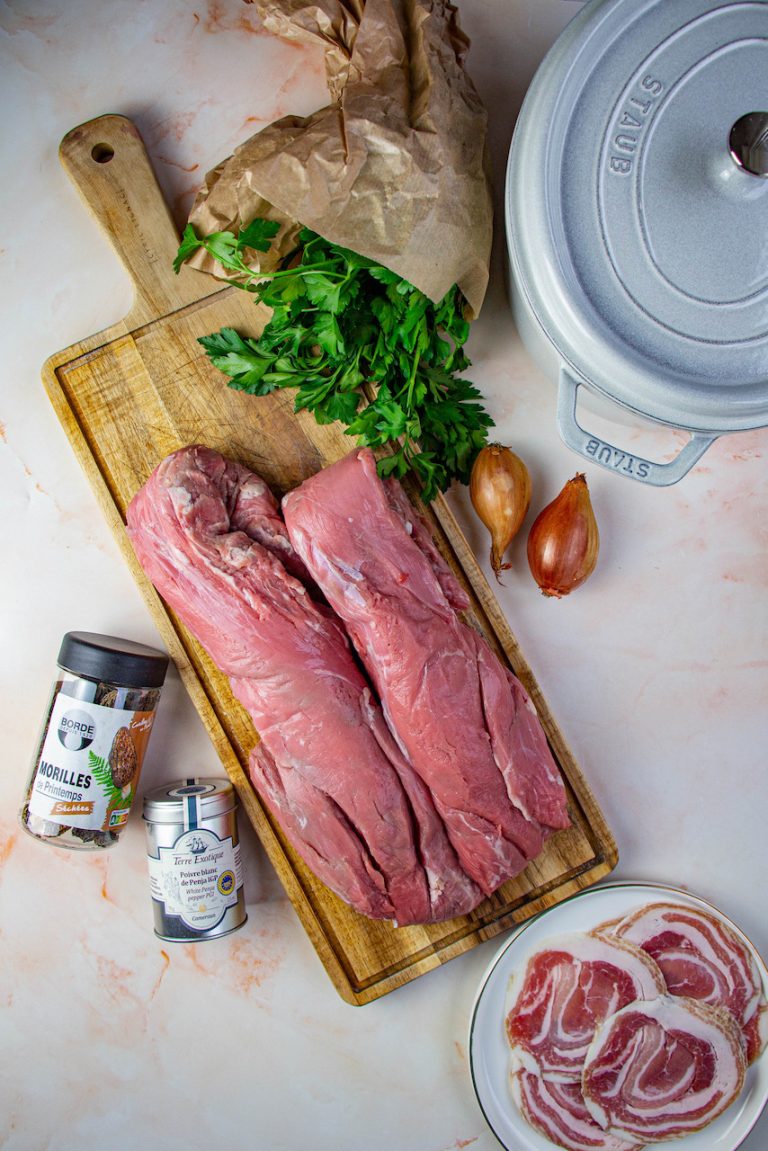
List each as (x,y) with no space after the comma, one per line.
(102,153)
(107,162)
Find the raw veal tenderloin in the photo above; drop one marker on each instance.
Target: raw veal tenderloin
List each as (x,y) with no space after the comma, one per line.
(209,535)
(461,718)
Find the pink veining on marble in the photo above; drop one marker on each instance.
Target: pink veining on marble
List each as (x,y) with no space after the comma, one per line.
(7,844)
(223,17)
(252,957)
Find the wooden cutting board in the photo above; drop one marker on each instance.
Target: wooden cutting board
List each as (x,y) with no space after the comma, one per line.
(128,396)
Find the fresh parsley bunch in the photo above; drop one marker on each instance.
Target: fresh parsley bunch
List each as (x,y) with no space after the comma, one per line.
(339,322)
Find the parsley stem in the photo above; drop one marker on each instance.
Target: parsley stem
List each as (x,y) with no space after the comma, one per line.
(412,381)
(240,266)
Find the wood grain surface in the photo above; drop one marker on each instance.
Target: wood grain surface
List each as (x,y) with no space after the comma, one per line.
(128,396)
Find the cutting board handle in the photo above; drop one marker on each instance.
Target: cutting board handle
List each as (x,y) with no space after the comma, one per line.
(107,162)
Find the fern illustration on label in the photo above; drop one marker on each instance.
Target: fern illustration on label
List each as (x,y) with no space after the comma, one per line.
(102,774)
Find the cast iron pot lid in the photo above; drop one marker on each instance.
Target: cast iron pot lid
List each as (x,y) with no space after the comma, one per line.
(637,207)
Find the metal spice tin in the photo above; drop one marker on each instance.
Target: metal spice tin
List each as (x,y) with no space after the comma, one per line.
(193,852)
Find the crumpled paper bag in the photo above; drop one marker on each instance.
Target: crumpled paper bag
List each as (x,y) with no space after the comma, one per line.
(395,167)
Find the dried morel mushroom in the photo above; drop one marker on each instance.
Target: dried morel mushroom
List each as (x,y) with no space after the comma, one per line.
(123,760)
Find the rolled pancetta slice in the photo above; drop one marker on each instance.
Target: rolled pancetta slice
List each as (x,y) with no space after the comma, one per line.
(558,1112)
(702,958)
(662,1069)
(567,988)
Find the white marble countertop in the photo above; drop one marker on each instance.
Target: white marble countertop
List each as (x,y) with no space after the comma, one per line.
(655,670)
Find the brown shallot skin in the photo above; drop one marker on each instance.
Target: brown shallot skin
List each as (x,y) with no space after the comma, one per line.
(564,541)
(500,491)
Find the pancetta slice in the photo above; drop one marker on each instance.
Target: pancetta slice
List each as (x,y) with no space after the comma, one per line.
(663,1069)
(567,988)
(558,1112)
(702,958)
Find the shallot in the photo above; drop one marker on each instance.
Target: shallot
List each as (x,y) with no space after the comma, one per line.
(564,541)
(500,490)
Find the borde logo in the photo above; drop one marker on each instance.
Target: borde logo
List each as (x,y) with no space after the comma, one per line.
(76,730)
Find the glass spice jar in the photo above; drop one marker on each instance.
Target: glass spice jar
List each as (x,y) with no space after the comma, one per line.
(93,739)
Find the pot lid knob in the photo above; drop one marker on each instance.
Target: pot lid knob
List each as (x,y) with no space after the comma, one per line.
(749,143)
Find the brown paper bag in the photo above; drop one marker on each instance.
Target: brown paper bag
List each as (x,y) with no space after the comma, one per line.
(395,167)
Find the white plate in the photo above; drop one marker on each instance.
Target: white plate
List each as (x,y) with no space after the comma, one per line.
(489,1051)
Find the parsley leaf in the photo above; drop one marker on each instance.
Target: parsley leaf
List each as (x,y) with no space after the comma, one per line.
(258,235)
(344,330)
(189,244)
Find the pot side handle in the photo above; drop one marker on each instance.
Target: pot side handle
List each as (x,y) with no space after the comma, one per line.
(599,451)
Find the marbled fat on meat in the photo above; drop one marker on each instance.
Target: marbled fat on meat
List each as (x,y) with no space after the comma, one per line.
(559,1113)
(209,535)
(463,722)
(701,958)
(569,986)
(663,1069)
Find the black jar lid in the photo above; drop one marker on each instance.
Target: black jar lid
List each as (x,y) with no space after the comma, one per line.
(112,660)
